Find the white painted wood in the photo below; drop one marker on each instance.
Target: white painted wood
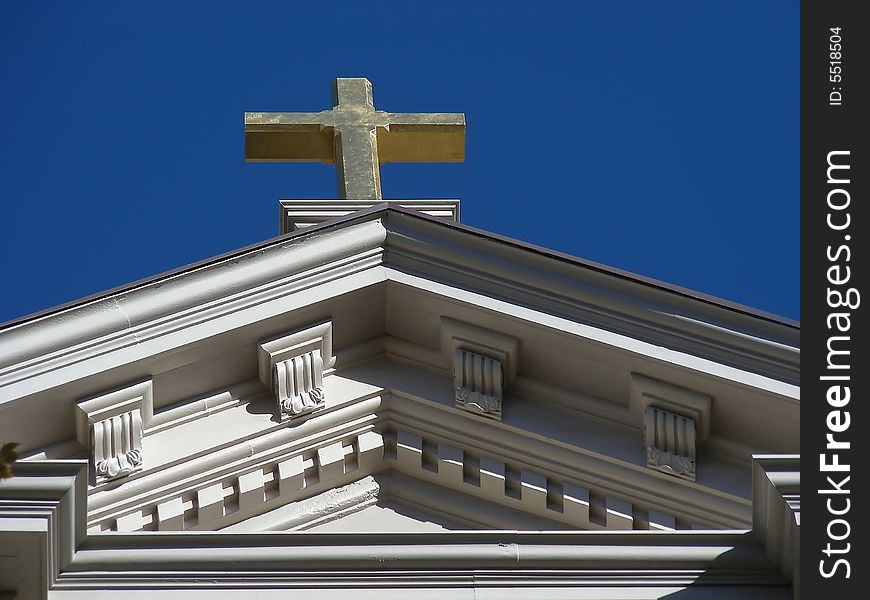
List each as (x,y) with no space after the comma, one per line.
(251,490)
(576,504)
(583,353)
(619,513)
(210,504)
(298,214)
(170,515)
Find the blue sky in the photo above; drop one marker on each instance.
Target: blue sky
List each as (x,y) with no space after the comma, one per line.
(657,137)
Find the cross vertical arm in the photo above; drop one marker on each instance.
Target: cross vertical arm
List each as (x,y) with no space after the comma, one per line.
(356,163)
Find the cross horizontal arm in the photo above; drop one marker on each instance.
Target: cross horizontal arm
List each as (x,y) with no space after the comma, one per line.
(444,119)
(288,121)
(309,137)
(265,121)
(422,137)
(355,137)
(280,137)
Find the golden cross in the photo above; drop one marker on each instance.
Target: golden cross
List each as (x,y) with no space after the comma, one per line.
(356,137)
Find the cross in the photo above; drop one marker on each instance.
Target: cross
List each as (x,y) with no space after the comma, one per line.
(356,137)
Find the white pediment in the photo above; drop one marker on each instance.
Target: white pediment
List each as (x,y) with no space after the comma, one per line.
(537,384)
(225,459)
(392,373)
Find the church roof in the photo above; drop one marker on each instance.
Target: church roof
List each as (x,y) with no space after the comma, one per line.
(473,378)
(606,296)
(377,209)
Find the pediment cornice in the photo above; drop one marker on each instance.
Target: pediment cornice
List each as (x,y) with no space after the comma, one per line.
(605,563)
(566,446)
(374,245)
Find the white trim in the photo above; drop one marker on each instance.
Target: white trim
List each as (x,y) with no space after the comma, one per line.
(190,305)
(299,214)
(622,342)
(349,416)
(595,561)
(240,283)
(776,510)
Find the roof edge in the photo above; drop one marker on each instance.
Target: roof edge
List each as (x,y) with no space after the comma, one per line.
(385,207)
(462,256)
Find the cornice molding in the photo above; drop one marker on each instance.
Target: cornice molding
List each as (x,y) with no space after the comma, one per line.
(282,553)
(556,285)
(408,242)
(45,500)
(35,359)
(580,329)
(610,561)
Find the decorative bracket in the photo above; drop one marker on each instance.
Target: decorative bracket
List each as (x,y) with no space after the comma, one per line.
(483,363)
(298,383)
(674,420)
(110,426)
(478,382)
(293,365)
(670,442)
